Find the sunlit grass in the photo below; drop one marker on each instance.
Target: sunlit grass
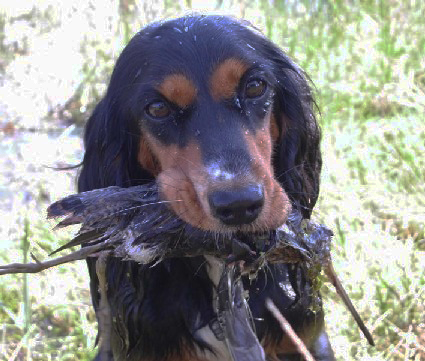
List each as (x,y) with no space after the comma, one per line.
(373,199)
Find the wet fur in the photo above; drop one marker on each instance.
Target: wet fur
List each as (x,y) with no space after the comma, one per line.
(158,311)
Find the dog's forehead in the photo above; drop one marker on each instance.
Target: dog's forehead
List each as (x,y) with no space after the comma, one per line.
(196,46)
(199,65)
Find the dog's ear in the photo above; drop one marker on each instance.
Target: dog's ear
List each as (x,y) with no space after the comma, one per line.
(111,143)
(297,157)
(112,135)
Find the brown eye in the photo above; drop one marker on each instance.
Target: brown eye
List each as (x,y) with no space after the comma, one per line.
(255,88)
(158,109)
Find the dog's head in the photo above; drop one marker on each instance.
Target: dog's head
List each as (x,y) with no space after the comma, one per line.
(218,115)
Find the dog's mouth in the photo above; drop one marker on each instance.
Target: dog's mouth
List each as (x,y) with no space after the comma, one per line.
(245,203)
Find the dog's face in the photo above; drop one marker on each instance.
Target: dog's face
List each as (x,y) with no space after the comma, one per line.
(208,126)
(218,115)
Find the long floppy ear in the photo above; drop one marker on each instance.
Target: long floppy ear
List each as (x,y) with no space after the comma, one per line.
(112,140)
(111,148)
(113,134)
(297,159)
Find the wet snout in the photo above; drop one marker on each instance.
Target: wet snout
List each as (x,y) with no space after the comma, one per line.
(234,193)
(237,206)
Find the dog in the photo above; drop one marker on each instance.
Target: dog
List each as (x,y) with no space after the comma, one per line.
(223,121)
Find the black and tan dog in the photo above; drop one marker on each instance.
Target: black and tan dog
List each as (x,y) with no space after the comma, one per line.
(223,120)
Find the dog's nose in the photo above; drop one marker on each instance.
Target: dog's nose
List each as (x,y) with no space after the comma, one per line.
(239,206)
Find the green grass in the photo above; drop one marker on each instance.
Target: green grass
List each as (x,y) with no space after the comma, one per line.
(373,199)
(367,61)
(62,325)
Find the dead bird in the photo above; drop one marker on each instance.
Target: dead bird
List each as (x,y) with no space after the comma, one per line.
(134,224)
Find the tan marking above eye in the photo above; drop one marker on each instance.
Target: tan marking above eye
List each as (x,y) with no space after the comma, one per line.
(178,89)
(226,77)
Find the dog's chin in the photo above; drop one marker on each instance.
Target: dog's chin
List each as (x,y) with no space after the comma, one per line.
(253,228)
(258,227)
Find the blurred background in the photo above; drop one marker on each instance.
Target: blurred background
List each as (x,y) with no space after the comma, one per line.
(367,61)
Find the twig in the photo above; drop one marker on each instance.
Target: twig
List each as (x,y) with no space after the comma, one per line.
(286,327)
(333,278)
(34,258)
(41,266)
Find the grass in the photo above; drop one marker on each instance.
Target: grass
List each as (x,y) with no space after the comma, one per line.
(367,62)
(371,197)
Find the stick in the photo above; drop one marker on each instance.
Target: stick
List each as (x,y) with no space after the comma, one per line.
(41,266)
(286,327)
(333,278)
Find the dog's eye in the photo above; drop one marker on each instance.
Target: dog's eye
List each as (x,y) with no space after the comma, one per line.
(158,109)
(255,88)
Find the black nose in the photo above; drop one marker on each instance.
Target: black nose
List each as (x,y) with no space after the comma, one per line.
(239,206)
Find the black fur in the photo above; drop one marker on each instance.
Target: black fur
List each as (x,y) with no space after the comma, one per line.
(156,307)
